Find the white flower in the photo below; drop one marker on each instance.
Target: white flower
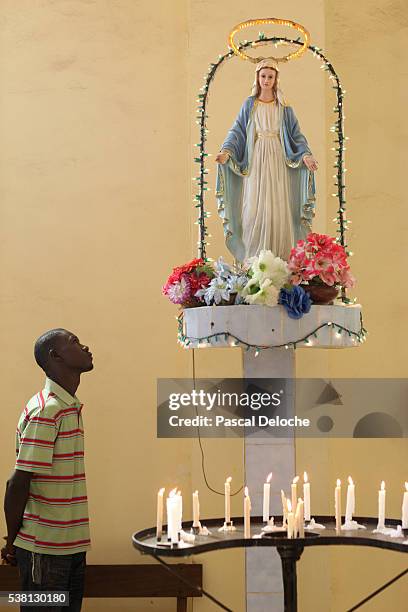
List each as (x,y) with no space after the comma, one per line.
(252,286)
(215,292)
(237,283)
(267,266)
(223,269)
(267,294)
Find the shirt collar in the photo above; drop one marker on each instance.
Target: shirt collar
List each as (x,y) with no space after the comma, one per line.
(52,387)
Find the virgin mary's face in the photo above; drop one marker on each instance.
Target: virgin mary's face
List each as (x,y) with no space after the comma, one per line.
(267,78)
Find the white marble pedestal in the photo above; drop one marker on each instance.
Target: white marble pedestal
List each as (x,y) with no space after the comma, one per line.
(264,586)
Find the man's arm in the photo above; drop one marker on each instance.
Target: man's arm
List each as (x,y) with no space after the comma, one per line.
(15,500)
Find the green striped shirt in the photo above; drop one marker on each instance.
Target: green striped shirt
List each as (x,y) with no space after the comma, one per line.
(50,444)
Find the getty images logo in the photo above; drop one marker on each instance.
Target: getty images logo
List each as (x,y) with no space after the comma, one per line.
(208,401)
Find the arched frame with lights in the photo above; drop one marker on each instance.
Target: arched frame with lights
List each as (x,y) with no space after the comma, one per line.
(337,129)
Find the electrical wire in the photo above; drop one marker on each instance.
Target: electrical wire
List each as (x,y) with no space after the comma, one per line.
(201,446)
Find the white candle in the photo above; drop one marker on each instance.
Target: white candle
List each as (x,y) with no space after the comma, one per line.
(306,496)
(196,510)
(351,500)
(227,490)
(179,511)
(159,522)
(284,508)
(247,514)
(337,505)
(172,505)
(294,492)
(266,498)
(300,519)
(405,508)
(291,521)
(381,506)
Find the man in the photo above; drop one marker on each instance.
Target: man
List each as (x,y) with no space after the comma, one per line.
(45,502)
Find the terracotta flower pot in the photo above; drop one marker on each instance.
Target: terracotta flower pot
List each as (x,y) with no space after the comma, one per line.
(320,293)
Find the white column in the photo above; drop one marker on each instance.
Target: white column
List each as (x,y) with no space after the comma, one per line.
(264,455)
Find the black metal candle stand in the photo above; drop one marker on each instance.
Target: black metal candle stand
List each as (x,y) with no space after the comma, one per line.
(290,550)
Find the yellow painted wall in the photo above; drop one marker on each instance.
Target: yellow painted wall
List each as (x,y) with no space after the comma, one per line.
(97,126)
(364,41)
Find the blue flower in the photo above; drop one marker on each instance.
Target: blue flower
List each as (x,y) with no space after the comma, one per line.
(296,301)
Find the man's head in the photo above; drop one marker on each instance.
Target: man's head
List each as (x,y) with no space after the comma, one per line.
(59,351)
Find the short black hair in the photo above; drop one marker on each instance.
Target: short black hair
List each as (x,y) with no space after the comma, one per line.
(45,343)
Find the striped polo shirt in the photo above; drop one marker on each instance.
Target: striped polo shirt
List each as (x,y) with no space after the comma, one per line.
(50,444)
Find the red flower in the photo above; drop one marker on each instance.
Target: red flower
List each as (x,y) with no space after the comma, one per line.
(198,281)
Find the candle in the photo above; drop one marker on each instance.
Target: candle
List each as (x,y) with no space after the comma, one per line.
(294,491)
(300,519)
(405,508)
(179,511)
(172,516)
(159,522)
(266,498)
(337,505)
(306,496)
(247,514)
(196,510)
(227,490)
(291,520)
(284,508)
(381,506)
(351,501)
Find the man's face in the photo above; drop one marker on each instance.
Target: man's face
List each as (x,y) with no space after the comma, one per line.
(75,355)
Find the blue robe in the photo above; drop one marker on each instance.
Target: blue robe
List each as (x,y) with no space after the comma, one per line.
(240,144)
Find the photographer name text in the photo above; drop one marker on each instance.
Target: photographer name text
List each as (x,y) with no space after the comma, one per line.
(252,421)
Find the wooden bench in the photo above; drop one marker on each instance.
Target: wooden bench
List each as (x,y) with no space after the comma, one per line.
(105,581)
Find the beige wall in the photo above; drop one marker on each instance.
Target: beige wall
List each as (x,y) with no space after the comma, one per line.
(96,124)
(364,42)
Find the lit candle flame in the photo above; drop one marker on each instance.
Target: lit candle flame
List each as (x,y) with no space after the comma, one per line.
(296,478)
(246,492)
(350,480)
(406,486)
(161,491)
(179,493)
(289,505)
(173,492)
(195,493)
(269,477)
(338,482)
(382,485)
(305,476)
(229,479)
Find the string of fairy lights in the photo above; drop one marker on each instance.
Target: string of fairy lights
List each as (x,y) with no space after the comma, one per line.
(337,129)
(233,340)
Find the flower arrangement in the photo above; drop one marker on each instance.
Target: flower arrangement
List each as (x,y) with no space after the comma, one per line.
(319,259)
(184,282)
(266,279)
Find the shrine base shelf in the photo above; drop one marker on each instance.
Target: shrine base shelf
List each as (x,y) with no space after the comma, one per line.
(270,326)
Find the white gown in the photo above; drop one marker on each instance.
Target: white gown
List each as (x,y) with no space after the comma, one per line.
(266,214)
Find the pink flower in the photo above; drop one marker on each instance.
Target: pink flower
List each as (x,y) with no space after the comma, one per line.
(180,291)
(320,257)
(328,277)
(346,278)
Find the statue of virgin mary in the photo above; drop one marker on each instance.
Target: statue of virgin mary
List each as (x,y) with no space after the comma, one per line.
(265,182)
